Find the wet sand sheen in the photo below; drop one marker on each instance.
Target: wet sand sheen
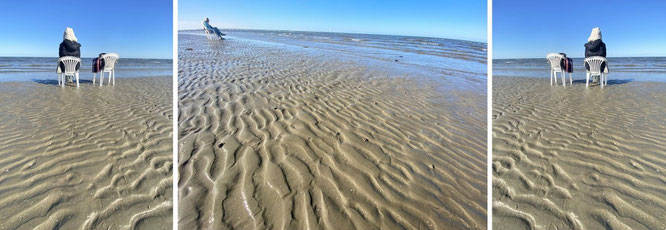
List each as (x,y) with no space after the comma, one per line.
(87,158)
(282,138)
(577,158)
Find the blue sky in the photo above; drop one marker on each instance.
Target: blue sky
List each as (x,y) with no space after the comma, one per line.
(458,19)
(131,28)
(531,28)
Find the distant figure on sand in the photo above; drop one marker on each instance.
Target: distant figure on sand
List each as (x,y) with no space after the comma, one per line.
(210,29)
(69,47)
(595,47)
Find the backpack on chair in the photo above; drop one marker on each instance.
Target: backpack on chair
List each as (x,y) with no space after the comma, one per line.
(566,63)
(98,63)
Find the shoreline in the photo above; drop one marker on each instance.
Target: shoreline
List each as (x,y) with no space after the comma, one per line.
(43,68)
(648,69)
(330,32)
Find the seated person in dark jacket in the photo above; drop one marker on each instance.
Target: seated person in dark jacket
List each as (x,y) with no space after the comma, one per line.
(595,47)
(69,47)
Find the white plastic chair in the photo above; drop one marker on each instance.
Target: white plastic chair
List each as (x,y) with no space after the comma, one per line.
(555,68)
(595,69)
(109,67)
(70,69)
(209,34)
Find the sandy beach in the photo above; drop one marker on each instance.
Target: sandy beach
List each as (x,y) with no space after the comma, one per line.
(86,158)
(576,157)
(294,137)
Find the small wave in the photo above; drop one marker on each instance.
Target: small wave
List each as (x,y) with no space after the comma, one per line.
(430,43)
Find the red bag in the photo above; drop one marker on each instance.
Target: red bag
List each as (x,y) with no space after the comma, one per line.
(98,63)
(566,64)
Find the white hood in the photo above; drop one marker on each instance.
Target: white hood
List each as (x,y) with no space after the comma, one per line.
(69,35)
(595,35)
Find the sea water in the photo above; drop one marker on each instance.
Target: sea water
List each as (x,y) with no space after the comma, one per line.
(624,69)
(444,57)
(44,68)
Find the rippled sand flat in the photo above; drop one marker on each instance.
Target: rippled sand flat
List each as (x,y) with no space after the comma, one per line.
(86,158)
(277,137)
(577,158)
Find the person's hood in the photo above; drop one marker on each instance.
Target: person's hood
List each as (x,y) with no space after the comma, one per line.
(69,35)
(70,45)
(595,34)
(594,45)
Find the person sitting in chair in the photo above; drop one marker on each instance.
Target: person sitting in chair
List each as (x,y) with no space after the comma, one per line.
(69,47)
(595,47)
(210,29)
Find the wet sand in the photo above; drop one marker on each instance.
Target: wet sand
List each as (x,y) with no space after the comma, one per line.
(577,158)
(285,137)
(86,158)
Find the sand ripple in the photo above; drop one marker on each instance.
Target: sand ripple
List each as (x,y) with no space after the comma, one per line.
(577,158)
(87,158)
(280,138)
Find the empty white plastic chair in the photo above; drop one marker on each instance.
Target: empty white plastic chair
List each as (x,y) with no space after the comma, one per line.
(555,60)
(594,63)
(70,69)
(110,60)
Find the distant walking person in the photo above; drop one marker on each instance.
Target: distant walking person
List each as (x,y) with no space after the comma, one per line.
(595,47)
(210,29)
(69,47)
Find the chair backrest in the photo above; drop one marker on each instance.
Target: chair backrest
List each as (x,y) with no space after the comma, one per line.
(70,63)
(555,60)
(110,61)
(595,63)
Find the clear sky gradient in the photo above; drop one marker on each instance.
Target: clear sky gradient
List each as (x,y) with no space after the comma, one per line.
(458,19)
(528,28)
(131,28)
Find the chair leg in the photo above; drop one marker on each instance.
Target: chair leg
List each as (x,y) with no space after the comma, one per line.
(101,78)
(94,76)
(564,78)
(606,77)
(114,76)
(77,80)
(110,76)
(555,78)
(587,79)
(551,77)
(58,79)
(570,79)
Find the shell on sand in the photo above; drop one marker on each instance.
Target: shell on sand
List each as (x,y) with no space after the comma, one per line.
(576,157)
(86,158)
(280,138)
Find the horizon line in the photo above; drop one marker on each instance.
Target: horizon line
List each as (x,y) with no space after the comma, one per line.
(2,56)
(582,57)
